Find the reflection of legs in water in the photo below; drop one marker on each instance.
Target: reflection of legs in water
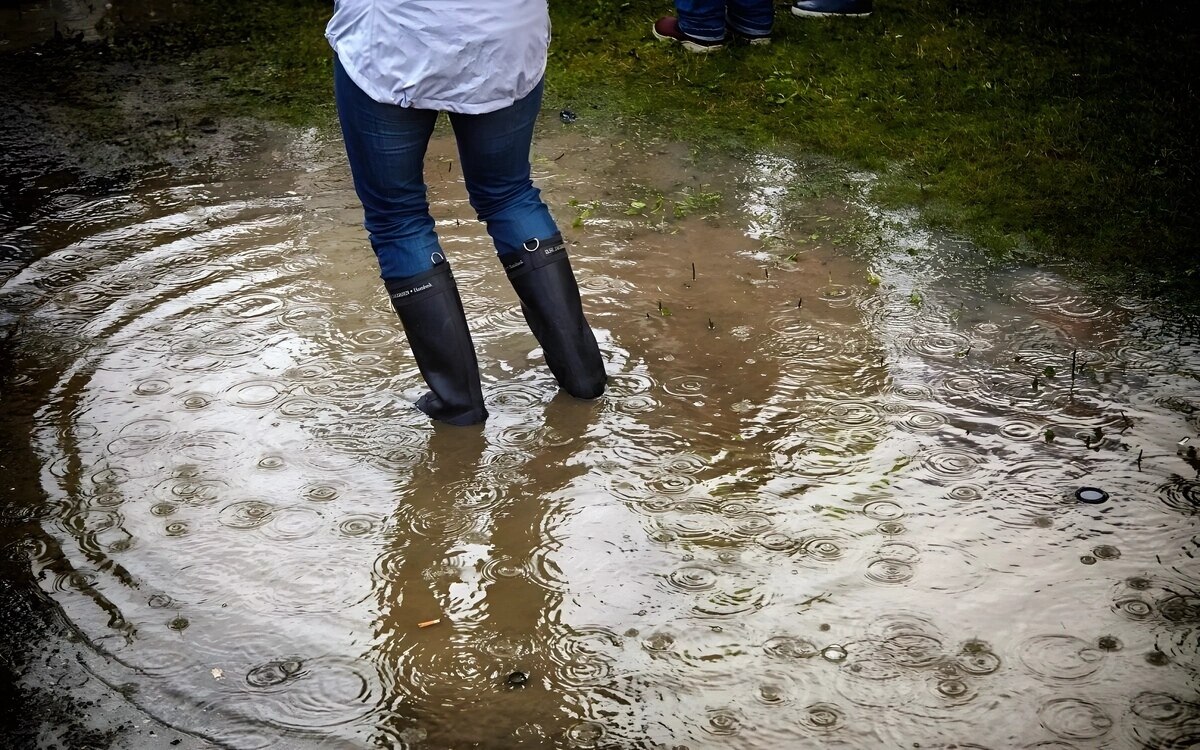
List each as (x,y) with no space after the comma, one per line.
(522,610)
(464,550)
(421,666)
(426,523)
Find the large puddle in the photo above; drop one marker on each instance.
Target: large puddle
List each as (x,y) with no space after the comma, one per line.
(826,502)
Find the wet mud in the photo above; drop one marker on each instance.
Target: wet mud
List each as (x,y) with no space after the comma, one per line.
(828,500)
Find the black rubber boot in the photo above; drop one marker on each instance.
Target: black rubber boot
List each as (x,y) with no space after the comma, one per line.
(432,314)
(542,278)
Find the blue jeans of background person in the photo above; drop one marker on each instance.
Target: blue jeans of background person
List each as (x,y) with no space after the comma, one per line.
(706,19)
(386,143)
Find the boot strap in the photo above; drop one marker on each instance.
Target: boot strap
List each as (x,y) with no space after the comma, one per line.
(537,253)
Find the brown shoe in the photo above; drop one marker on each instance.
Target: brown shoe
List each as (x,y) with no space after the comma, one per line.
(666,29)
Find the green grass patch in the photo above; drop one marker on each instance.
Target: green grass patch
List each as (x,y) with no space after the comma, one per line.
(1050,130)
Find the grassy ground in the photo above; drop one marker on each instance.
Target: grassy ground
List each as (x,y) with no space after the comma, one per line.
(1053,128)
(1050,129)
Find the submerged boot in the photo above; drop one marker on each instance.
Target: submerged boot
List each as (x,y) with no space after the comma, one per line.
(432,314)
(549,297)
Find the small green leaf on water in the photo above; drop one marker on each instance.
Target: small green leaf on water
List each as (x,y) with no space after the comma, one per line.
(873,278)
(577,223)
(635,208)
(915,298)
(1049,435)
(1048,372)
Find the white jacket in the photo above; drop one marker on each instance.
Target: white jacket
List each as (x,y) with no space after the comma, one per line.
(468,56)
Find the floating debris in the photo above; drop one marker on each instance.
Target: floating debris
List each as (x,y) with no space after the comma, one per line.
(1091,495)
(518,679)
(834,652)
(1109,643)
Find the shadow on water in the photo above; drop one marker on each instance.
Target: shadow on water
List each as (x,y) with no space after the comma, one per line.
(828,500)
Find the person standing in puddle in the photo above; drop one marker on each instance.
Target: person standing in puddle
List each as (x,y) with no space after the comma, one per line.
(397,64)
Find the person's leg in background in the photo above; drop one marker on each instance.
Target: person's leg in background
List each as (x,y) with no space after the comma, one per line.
(699,25)
(702,19)
(385,145)
(494,151)
(752,19)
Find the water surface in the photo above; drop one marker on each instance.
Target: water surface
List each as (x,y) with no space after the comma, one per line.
(827,501)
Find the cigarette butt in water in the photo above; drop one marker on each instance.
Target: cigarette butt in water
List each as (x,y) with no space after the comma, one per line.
(428,623)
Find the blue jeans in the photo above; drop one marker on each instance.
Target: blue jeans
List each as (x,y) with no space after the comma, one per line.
(386,143)
(706,19)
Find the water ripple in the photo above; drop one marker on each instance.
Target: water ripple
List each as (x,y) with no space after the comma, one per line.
(789,647)
(247,514)
(323,692)
(823,717)
(692,578)
(1181,495)
(1074,719)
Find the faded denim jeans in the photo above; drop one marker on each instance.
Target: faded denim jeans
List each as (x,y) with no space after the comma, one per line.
(707,20)
(386,144)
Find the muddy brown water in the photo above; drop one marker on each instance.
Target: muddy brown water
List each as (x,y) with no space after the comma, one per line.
(827,501)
